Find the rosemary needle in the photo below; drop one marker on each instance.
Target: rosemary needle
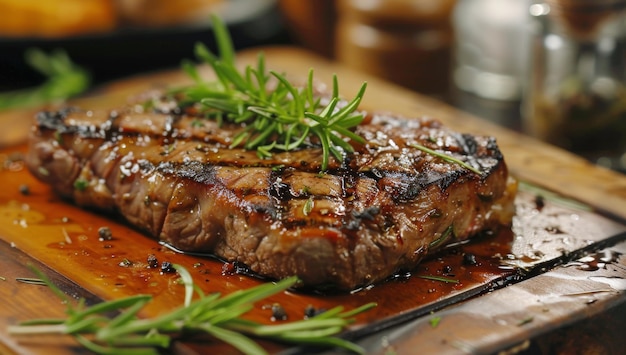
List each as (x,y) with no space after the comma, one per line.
(446,157)
(434,321)
(439,278)
(31,281)
(449,232)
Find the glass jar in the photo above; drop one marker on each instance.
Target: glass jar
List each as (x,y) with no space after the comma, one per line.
(407,42)
(489,58)
(576,97)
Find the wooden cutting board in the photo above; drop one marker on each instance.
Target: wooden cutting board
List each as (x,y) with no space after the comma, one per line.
(39,228)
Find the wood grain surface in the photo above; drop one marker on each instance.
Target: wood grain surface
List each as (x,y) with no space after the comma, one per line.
(41,229)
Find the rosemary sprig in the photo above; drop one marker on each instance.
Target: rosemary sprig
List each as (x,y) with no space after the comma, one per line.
(275,114)
(64,79)
(214,314)
(446,157)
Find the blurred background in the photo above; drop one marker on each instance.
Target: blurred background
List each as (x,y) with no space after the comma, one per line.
(554,69)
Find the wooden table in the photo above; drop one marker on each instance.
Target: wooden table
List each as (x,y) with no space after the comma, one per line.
(492,322)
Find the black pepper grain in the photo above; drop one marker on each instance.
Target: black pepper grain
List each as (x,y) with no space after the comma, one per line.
(278,312)
(235,268)
(167,268)
(540,202)
(469,259)
(24,190)
(104,233)
(153,263)
(310,311)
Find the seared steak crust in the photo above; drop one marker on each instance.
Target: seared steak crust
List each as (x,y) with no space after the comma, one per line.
(380,210)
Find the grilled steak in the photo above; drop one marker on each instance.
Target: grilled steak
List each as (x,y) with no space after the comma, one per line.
(380,210)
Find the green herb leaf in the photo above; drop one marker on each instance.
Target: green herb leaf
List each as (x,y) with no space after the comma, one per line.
(525,320)
(64,79)
(81,184)
(444,236)
(439,278)
(447,158)
(31,281)
(308,206)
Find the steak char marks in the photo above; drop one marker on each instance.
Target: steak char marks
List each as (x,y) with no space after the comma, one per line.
(379,211)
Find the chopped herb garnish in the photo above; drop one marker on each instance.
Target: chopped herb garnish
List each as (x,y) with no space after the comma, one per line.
(167,149)
(58,137)
(197,123)
(446,157)
(434,321)
(216,315)
(308,206)
(439,278)
(525,320)
(81,184)
(275,114)
(444,236)
(277,168)
(305,190)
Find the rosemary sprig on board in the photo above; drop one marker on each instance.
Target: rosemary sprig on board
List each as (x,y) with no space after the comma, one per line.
(216,315)
(277,115)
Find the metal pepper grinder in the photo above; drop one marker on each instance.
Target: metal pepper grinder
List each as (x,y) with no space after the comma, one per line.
(576,97)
